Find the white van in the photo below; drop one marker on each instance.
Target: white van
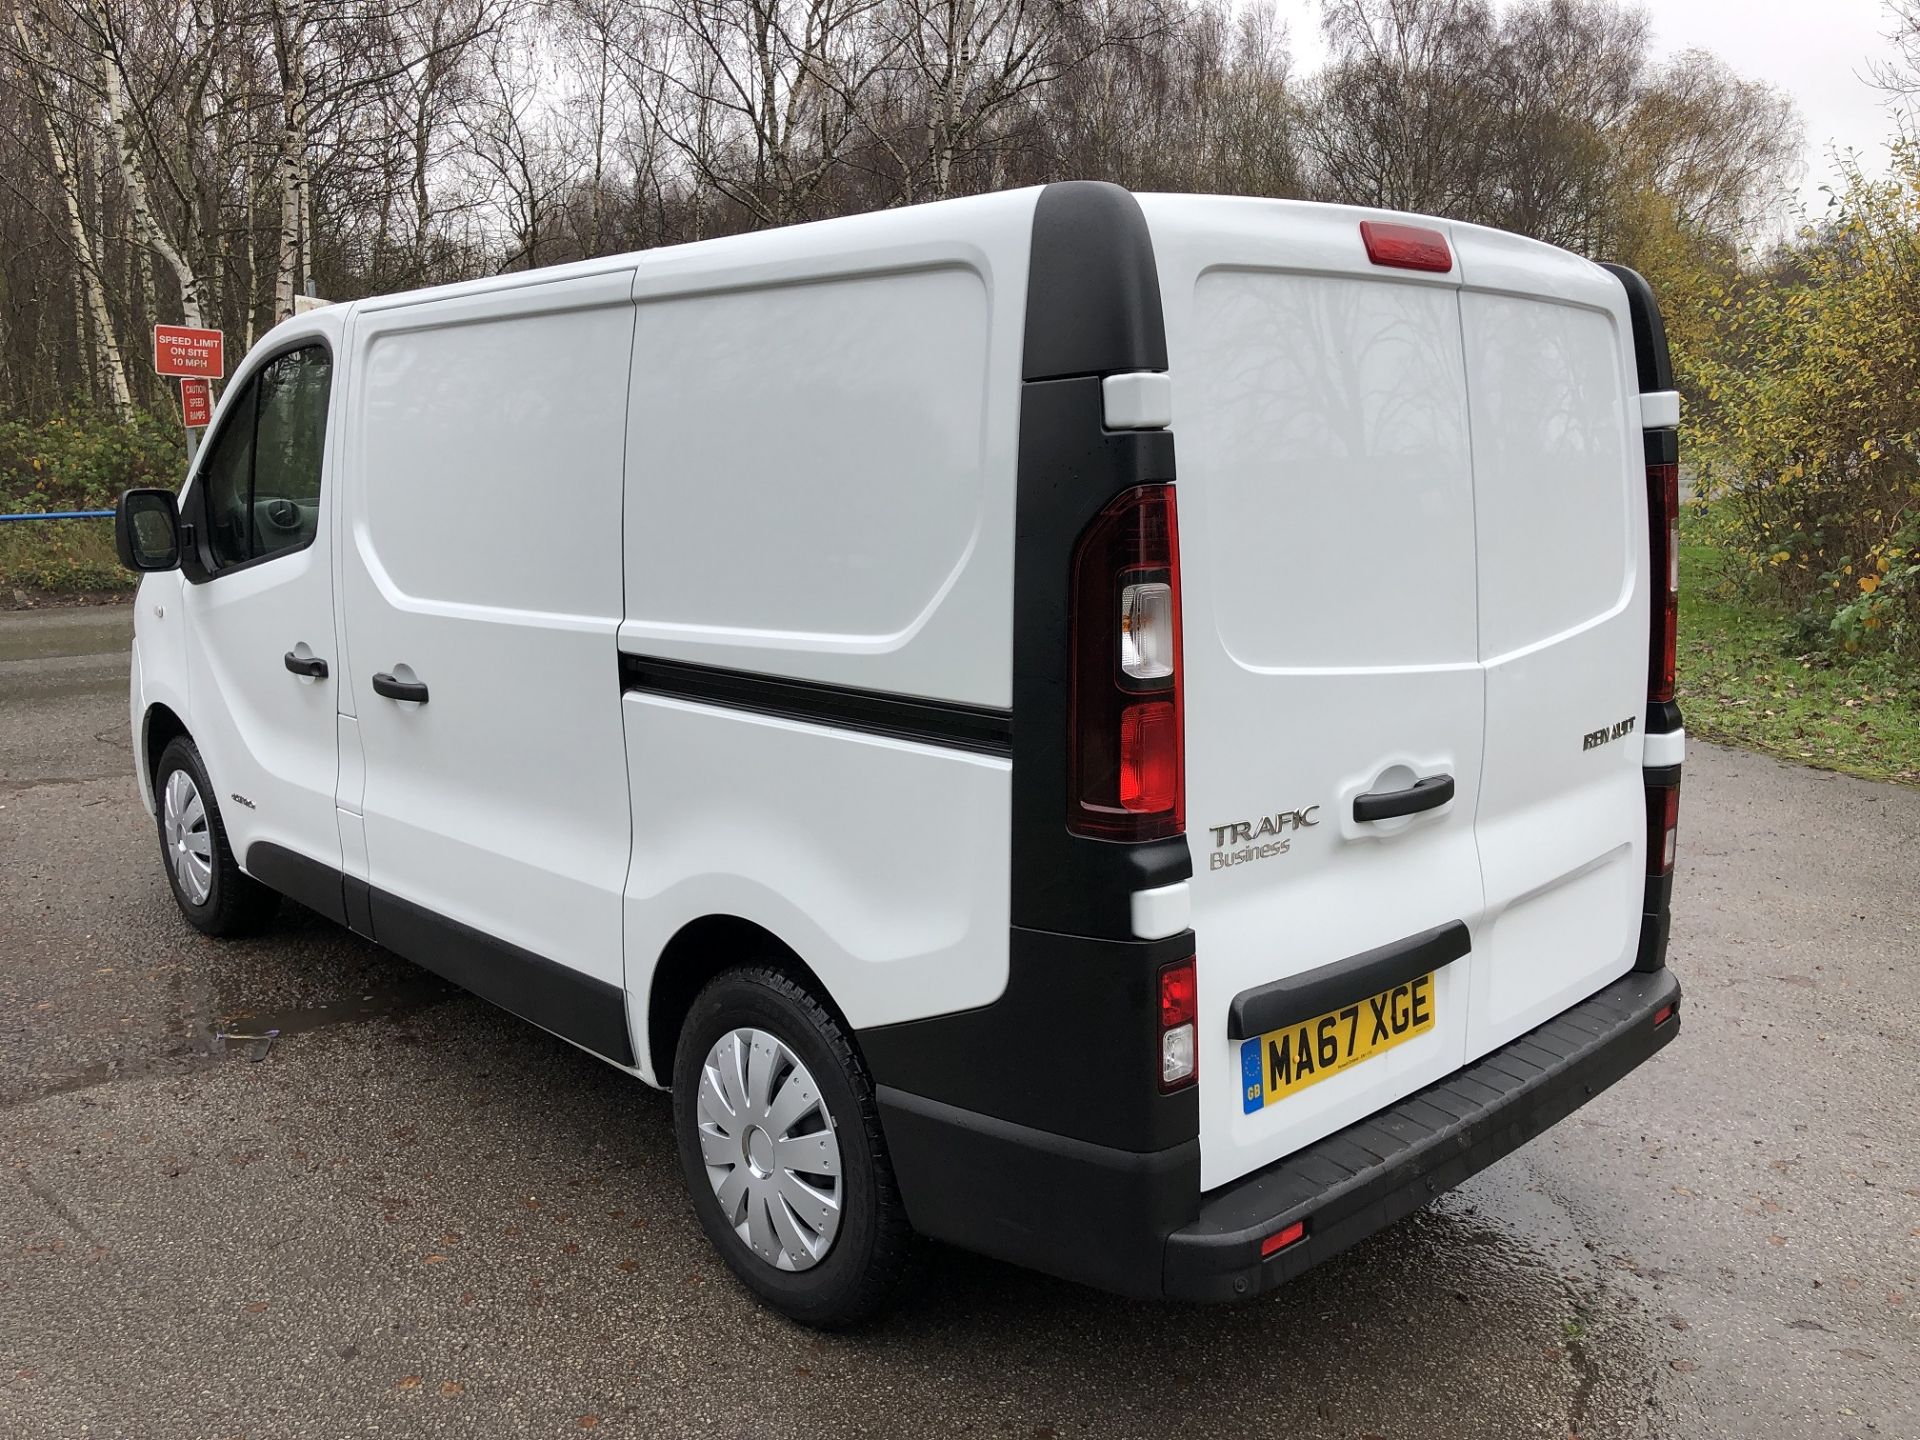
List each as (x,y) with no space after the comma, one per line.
(775,666)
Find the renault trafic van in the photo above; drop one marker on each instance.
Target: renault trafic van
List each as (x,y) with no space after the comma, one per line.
(1133,734)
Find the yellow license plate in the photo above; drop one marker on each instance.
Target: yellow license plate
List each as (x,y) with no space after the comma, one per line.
(1284,1062)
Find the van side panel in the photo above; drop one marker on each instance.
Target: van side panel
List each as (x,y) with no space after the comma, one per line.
(816,651)
(482,502)
(821,473)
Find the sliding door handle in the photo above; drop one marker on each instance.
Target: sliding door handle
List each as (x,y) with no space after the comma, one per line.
(1428,793)
(311,666)
(385,684)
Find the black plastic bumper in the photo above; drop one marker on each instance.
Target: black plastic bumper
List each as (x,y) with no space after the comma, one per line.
(1137,1224)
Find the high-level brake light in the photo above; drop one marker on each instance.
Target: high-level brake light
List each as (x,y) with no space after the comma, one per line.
(1406,247)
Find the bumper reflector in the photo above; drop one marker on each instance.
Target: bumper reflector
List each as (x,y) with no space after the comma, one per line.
(1281,1239)
(1662,1015)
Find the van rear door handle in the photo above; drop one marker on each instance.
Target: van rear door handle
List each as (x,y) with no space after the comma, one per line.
(309,665)
(385,684)
(1428,793)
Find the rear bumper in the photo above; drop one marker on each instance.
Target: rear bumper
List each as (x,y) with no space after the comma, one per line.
(1136,1223)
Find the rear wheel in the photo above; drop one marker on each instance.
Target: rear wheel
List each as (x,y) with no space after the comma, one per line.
(208,885)
(780,1140)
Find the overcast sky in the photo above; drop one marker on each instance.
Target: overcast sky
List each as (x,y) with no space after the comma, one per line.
(1815,50)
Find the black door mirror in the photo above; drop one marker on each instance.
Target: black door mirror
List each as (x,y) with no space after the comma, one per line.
(146,530)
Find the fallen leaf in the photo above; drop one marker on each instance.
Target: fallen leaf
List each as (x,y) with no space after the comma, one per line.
(258,1307)
(450,1388)
(1776,1240)
(408,1382)
(587,1422)
(1685,1367)
(434,1260)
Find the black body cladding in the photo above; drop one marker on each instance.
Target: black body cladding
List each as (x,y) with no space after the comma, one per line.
(1654,370)
(1654,364)
(1093,310)
(589,1012)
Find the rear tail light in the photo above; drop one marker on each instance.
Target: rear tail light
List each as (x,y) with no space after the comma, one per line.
(1125,763)
(1663,828)
(1663,516)
(1179,1009)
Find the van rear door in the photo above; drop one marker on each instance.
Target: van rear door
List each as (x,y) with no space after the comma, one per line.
(1331,652)
(1561,531)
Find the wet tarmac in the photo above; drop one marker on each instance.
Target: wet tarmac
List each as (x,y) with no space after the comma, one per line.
(294,1186)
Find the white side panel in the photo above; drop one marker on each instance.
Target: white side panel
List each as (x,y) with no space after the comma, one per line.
(883,863)
(484,500)
(824,434)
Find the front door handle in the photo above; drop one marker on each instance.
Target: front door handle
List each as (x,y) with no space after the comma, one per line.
(1428,793)
(385,684)
(311,666)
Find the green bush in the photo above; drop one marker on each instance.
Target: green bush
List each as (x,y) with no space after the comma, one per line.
(79,460)
(1811,424)
(83,459)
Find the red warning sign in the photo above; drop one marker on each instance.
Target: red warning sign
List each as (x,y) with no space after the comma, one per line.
(183,350)
(196,403)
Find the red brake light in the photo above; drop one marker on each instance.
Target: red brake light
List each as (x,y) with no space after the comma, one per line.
(1125,763)
(1406,247)
(1149,757)
(1663,520)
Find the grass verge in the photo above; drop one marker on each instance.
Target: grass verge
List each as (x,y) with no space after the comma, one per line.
(59,561)
(1744,681)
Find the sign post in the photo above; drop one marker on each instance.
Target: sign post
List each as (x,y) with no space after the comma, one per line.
(198,357)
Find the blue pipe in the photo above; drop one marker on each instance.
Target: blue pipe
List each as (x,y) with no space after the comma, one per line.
(61,515)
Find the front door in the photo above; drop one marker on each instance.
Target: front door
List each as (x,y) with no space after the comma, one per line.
(260,625)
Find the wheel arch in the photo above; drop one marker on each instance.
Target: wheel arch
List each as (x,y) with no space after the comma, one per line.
(698,951)
(159,727)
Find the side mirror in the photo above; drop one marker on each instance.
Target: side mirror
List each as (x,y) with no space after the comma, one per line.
(146,530)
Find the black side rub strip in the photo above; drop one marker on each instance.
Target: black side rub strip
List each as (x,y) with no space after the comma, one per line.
(1301,997)
(902,717)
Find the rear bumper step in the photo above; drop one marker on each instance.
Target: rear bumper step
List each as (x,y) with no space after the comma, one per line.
(1362,1179)
(1136,1223)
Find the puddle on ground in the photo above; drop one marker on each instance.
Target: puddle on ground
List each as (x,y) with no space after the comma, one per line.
(249,1035)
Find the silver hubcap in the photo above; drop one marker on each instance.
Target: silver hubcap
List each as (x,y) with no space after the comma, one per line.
(183,824)
(771,1154)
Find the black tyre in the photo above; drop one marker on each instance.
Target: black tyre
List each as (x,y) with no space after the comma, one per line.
(207,882)
(780,1141)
